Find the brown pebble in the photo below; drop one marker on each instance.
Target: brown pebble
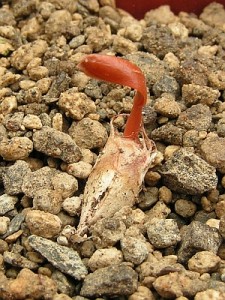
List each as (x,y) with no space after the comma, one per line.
(185,208)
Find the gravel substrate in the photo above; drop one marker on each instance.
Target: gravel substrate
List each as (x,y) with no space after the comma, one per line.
(54,122)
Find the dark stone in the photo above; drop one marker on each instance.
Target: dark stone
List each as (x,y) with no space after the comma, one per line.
(198,237)
(112,281)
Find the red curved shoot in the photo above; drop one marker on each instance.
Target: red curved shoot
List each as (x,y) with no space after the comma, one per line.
(118,70)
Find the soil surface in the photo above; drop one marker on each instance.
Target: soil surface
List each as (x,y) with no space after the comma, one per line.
(54,124)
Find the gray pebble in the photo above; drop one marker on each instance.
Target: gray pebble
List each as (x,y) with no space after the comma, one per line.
(168,134)
(107,232)
(7,203)
(159,40)
(13,177)
(65,259)
(64,285)
(163,233)
(198,236)
(134,249)
(197,117)
(186,172)
(112,280)
(148,197)
(56,144)
(15,224)
(88,133)
(166,84)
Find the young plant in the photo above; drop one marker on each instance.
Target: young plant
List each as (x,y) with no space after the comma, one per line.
(118,174)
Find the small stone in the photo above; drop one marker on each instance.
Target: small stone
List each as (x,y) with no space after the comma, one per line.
(80,169)
(212,149)
(185,208)
(163,233)
(13,177)
(196,117)
(57,23)
(134,249)
(217,79)
(161,14)
(77,41)
(17,260)
(178,284)
(159,40)
(155,266)
(7,203)
(3,246)
(133,31)
(179,170)
(152,178)
(56,144)
(167,87)
(196,237)
(148,197)
(63,258)
(98,38)
(142,293)
(64,183)
(25,53)
(192,138)
(38,72)
(179,30)
(76,105)
(88,133)
(215,223)
(105,257)
(32,122)
(220,209)
(210,294)
(165,194)
(4,223)
(123,45)
(15,224)
(204,262)
(169,134)
(213,14)
(107,232)
(167,107)
(193,94)
(72,205)
(112,280)
(13,237)
(16,148)
(40,178)
(48,178)
(31,285)
(160,210)
(64,284)
(43,223)
(222,226)
(7,105)
(48,200)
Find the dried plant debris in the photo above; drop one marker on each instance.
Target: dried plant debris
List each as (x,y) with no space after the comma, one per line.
(54,124)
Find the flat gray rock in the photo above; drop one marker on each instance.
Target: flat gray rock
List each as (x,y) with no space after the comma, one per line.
(63,258)
(112,280)
(185,172)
